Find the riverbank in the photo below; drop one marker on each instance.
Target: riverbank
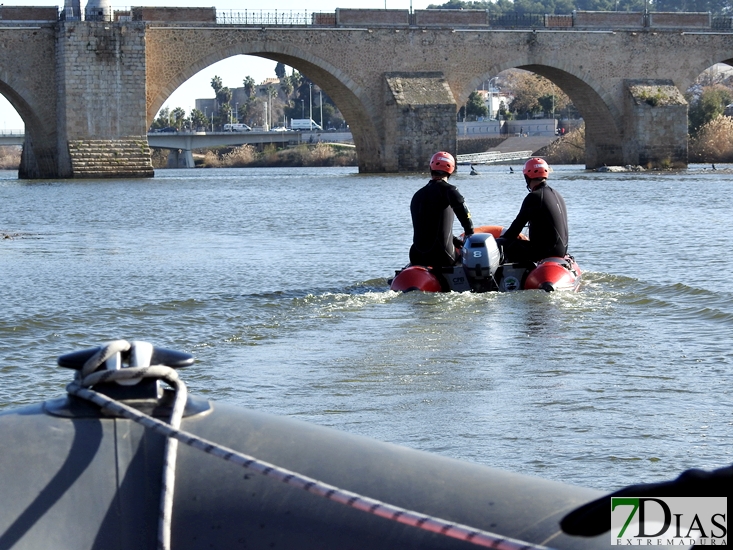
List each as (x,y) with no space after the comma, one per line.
(248,156)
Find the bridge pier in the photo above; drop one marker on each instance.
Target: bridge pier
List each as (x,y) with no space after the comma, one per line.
(102,119)
(38,161)
(181,158)
(651,133)
(656,124)
(420,119)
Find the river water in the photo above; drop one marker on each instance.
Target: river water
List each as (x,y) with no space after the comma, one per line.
(276,280)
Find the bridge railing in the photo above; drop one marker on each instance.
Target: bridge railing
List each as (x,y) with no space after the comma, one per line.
(441,18)
(288,18)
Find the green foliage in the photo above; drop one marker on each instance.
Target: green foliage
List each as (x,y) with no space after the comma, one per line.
(198,120)
(475,106)
(280,71)
(534,94)
(223,95)
(216,83)
(708,106)
(249,86)
(163,120)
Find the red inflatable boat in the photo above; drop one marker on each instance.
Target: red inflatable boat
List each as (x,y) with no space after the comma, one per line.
(481,270)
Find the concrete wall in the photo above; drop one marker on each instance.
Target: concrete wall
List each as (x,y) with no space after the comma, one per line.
(354,18)
(448,18)
(660,20)
(170,15)
(28,13)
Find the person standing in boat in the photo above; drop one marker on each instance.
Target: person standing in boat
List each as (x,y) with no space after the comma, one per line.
(433,209)
(544,210)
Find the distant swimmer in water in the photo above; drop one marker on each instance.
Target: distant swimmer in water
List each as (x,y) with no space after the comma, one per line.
(511,170)
(473,171)
(714,168)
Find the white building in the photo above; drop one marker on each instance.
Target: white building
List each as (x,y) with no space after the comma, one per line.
(493,99)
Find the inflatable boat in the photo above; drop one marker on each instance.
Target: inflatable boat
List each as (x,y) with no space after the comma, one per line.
(127,459)
(481,270)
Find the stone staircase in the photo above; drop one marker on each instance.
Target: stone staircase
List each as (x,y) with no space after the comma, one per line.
(111,158)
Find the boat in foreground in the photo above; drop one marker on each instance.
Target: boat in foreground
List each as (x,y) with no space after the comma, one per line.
(84,471)
(481,270)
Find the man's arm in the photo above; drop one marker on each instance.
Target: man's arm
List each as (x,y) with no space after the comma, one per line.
(458,204)
(525,214)
(594,518)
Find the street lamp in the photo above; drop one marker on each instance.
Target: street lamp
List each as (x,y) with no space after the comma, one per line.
(236,111)
(310,100)
(320,96)
(302,108)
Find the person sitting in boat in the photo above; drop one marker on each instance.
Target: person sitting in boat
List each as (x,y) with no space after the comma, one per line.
(433,209)
(544,210)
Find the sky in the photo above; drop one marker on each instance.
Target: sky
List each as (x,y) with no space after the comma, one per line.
(233,70)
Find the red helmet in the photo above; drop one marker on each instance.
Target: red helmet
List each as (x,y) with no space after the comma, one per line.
(443,162)
(536,168)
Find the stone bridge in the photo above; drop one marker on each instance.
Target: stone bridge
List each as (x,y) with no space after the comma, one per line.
(88,90)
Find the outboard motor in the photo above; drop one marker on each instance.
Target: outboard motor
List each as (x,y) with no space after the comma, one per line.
(481,259)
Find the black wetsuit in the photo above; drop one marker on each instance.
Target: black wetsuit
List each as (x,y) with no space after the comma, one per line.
(433,210)
(544,210)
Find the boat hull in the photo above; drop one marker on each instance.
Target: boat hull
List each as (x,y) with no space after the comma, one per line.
(480,270)
(76,481)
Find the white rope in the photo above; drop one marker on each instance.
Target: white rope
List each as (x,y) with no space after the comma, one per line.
(88,376)
(174,434)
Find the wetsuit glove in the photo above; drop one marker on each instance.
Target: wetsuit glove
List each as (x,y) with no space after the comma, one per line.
(594,518)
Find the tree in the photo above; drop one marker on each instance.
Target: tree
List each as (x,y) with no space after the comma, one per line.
(280,70)
(286,86)
(709,106)
(198,120)
(223,96)
(528,88)
(179,117)
(249,86)
(475,106)
(163,120)
(216,83)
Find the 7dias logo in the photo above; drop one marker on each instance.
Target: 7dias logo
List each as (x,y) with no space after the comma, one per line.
(671,521)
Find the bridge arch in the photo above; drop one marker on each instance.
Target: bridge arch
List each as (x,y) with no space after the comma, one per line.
(356,106)
(600,112)
(700,67)
(38,158)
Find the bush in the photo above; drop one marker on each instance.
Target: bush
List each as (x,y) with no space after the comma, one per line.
(713,142)
(569,149)
(10,157)
(243,155)
(320,154)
